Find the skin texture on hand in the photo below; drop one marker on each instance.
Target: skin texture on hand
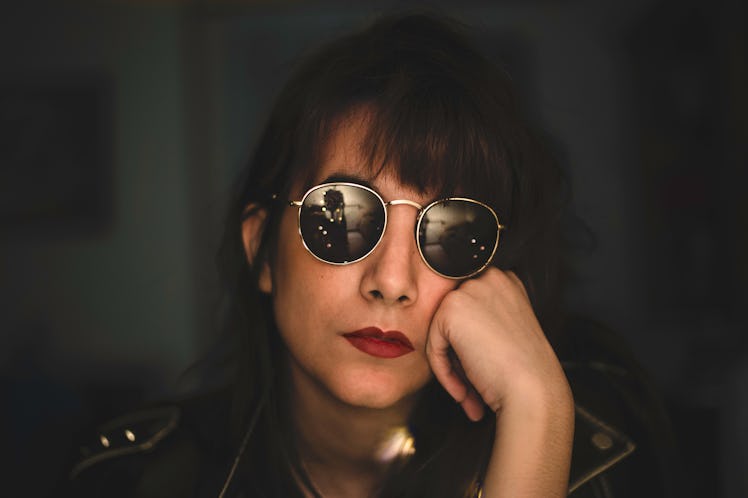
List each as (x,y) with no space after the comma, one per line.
(486,348)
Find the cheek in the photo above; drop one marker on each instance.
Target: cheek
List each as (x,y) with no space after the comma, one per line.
(433,290)
(300,282)
(288,276)
(289,254)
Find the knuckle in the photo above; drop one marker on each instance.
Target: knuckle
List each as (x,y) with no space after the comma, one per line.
(496,275)
(450,300)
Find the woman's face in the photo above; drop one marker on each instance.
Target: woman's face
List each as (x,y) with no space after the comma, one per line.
(323,311)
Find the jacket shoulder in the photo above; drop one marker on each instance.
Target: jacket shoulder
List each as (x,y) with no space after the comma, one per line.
(623,444)
(161,451)
(140,431)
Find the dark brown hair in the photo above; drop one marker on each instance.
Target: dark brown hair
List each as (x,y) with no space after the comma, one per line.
(442,118)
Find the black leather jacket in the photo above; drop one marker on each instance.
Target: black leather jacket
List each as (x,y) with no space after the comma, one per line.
(620,439)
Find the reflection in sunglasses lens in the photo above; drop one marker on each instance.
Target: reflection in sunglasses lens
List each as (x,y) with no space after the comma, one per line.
(457,237)
(341,223)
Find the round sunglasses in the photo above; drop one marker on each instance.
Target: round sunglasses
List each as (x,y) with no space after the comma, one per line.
(341,223)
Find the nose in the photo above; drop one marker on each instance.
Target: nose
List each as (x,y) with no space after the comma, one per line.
(391,274)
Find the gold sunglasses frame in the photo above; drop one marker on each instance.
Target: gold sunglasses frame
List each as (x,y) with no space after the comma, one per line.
(397,202)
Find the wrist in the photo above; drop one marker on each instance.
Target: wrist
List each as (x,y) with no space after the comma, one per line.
(532,445)
(551,395)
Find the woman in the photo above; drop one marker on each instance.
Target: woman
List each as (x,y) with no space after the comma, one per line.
(392,259)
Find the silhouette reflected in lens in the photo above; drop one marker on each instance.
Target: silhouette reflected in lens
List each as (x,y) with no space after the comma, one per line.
(341,223)
(458,237)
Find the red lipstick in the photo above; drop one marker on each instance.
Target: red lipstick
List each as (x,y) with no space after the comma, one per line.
(373,341)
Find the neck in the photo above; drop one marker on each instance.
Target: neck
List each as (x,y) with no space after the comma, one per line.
(346,450)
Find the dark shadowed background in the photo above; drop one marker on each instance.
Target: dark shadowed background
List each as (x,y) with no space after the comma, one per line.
(123,123)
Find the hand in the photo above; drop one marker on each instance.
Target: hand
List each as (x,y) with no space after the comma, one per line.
(486,347)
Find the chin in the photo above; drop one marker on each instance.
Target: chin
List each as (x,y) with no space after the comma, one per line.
(378,389)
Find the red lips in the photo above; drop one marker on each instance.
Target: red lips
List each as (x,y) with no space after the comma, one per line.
(375,342)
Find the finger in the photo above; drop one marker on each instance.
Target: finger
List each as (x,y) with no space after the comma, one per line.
(437,353)
(473,406)
(448,371)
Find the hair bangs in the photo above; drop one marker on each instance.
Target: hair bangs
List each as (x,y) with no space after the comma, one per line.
(434,142)
(433,106)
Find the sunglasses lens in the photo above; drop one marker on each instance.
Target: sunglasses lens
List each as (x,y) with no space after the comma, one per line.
(341,223)
(458,237)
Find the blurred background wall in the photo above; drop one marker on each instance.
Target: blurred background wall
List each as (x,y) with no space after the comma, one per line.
(123,124)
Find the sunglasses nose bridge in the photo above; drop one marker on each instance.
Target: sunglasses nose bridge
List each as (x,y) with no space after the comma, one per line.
(406,202)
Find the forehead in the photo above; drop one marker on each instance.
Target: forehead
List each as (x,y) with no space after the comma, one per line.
(344,155)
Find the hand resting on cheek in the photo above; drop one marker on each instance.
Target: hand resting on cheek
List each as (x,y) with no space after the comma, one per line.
(486,347)
(489,324)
